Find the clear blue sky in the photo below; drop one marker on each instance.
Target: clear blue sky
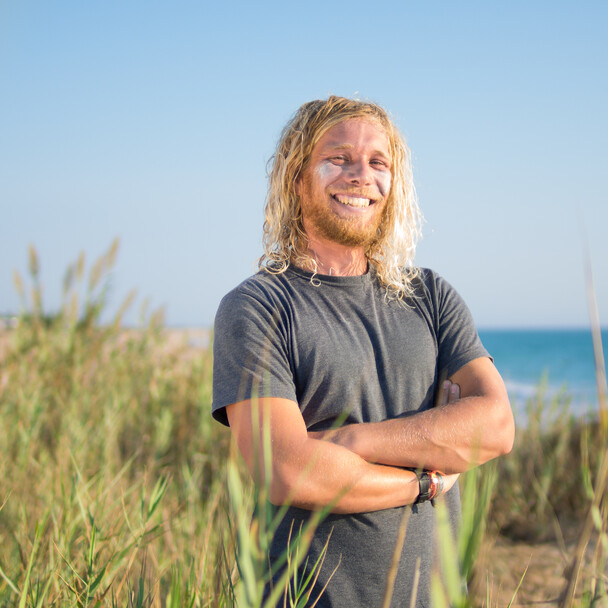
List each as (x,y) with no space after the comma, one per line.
(153,122)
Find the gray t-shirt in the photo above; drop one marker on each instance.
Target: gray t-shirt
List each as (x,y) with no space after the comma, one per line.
(341,349)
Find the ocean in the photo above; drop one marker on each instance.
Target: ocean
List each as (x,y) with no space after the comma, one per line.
(561,358)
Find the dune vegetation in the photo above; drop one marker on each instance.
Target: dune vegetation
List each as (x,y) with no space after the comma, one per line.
(118,489)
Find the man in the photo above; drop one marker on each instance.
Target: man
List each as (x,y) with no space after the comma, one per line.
(340,328)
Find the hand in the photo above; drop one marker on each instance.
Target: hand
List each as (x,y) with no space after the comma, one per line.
(450,392)
(449,481)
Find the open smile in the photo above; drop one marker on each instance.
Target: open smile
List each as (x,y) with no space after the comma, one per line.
(353,201)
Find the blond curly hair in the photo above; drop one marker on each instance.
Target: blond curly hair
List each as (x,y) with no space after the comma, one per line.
(285,242)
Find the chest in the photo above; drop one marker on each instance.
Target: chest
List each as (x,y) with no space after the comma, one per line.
(360,357)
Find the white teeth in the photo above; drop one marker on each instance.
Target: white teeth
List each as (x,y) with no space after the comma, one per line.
(352,201)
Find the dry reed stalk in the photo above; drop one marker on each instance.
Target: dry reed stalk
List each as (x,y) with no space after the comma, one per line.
(395,560)
(598,503)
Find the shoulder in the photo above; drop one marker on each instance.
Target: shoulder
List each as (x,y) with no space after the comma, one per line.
(429,284)
(438,298)
(260,287)
(261,297)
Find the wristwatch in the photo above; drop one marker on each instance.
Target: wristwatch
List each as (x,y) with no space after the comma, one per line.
(430,484)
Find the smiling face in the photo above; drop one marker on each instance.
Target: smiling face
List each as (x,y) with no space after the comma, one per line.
(344,189)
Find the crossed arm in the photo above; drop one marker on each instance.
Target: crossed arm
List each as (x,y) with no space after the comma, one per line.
(452,438)
(355,467)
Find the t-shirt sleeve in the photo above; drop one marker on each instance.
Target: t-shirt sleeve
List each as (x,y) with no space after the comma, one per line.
(457,337)
(250,354)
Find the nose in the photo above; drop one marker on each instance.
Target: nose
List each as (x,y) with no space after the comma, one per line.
(360,173)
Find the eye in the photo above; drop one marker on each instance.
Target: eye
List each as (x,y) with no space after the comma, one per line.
(339,160)
(379,164)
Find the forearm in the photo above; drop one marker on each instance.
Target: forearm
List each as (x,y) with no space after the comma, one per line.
(459,434)
(451,438)
(308,473)
(322,473)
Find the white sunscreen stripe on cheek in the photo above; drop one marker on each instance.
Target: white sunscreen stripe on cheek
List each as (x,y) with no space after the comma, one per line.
(384,183)
(327,170)
(385,186)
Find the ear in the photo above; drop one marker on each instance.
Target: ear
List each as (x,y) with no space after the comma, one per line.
(298,185)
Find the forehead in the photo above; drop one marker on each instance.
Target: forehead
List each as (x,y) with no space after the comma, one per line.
(362,134)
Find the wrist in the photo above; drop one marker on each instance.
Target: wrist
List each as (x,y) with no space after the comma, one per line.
(430,485)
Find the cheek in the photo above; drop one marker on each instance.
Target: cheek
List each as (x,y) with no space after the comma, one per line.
(328,172)
(384,184)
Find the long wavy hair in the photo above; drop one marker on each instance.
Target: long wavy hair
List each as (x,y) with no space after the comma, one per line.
(285,242)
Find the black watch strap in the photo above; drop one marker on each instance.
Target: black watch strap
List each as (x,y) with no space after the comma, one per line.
(424,487)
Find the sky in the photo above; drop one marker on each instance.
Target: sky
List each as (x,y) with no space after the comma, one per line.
(152,122)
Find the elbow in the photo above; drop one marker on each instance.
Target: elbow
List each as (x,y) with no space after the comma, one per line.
(508,429)
(504,430)
(508,435)
(496,437)
(283,486)
(277,496)
(292,486)
(280,495)
(279,488)
(293,478)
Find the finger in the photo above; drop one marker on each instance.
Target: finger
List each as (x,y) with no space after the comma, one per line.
(449,481)
(445,392)
(454,392)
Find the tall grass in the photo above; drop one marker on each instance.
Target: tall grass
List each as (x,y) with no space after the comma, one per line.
(118,489)
(549,489)
(111,483)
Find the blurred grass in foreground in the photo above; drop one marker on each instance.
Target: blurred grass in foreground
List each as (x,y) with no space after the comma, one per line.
(112,476)
(113,485)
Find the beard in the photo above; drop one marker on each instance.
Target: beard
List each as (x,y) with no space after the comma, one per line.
(351,231)
(346,231)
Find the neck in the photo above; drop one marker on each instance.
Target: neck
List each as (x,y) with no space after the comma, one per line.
(335,259)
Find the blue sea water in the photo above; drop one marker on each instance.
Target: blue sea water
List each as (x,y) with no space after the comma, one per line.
(563,358)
